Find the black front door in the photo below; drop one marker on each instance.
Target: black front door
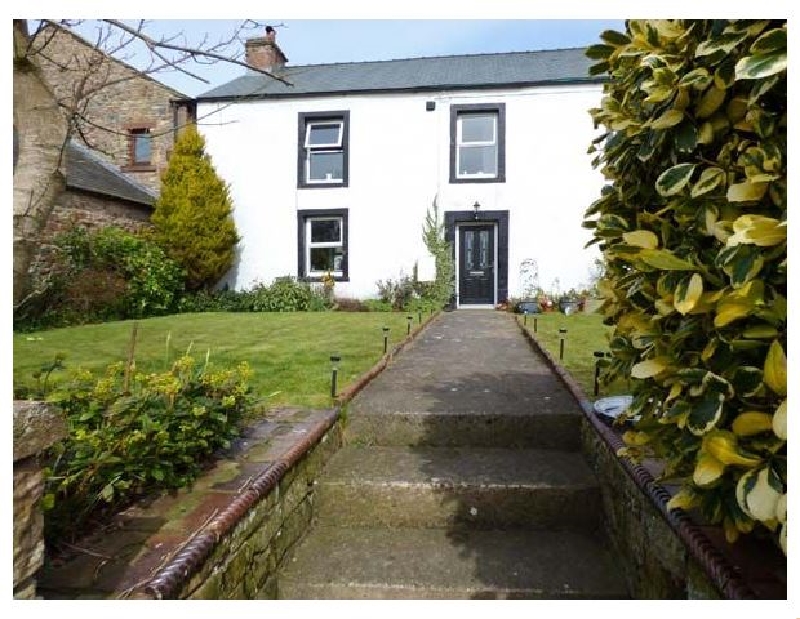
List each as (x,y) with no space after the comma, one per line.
(476,265)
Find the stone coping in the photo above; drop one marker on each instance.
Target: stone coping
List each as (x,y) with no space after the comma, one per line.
(154,546)
(37,425)
(725,565)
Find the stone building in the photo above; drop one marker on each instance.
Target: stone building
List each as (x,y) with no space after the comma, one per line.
(128,117)
(129,120)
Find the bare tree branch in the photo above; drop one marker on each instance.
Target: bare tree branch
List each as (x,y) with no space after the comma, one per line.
(152,44)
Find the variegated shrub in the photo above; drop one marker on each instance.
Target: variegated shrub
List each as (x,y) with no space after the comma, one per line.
(692,226)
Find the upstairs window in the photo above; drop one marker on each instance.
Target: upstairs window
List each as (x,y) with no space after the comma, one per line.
(140,148)
(322,152)
(477,152)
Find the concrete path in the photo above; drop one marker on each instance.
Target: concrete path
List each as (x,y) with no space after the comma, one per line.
(461,479)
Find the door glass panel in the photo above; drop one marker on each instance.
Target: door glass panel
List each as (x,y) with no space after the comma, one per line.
(326,231)
(468,242)
(484,243)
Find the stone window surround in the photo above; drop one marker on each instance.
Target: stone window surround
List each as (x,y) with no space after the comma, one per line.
(132,166)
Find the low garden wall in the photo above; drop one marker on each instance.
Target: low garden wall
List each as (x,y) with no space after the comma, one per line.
(263,524)
(663,553)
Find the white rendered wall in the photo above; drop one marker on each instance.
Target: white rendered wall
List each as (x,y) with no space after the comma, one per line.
(399,160)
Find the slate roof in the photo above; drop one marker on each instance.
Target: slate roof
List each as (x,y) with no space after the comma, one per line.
(88,171)
(416,74)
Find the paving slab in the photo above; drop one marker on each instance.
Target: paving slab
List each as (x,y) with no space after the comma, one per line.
(341,563)
(468,487)
(469,379)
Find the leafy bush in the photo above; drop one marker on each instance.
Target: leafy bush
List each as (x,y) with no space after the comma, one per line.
(286,294)
(397,293)
(193,214)
(377,305)
(107,274)
(693,231)
(217,301)
(433,236)
(131,434)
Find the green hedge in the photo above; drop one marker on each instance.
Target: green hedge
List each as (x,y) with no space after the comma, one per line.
(693,230)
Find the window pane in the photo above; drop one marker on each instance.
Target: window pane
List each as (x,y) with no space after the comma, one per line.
(141,147)
(325,259)
(325,166)
(469,235)
(326,231)
(477,127)
(324,134)
(477,160)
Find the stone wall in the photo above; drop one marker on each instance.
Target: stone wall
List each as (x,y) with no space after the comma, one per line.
(124,99)
(87,210)
(36,427)
(244,563)
(655,562)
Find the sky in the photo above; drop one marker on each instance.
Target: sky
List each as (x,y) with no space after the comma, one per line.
(315,41)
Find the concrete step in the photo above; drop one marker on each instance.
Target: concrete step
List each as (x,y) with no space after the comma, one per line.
(548,430)
(450,487)
(342,563)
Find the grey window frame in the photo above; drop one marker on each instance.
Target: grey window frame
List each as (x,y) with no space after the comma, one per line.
(479,108)
(303,120)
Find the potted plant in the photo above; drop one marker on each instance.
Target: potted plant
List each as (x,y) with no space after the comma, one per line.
(568,303)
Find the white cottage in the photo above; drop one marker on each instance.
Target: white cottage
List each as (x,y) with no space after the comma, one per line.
(336,172)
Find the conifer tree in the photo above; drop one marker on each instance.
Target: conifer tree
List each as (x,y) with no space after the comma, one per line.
(193,215)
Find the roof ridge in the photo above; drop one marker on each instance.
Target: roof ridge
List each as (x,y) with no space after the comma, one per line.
(85,150)
(530,51)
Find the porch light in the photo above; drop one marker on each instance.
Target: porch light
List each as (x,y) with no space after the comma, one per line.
(335,359)
(477,207)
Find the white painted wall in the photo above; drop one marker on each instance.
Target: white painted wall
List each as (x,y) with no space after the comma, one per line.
(399,160)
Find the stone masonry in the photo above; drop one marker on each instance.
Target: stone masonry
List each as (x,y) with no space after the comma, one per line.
(127,100)
(90,211)
(36,427)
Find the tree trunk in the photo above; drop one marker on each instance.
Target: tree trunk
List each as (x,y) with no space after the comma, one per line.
(41,131)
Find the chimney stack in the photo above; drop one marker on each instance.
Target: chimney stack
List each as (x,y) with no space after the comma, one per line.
(264,53)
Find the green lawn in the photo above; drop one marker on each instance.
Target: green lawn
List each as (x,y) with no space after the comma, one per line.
(586,333)
(289,352)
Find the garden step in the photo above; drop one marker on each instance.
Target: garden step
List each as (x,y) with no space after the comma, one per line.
(342,563)
(447,487)
(547,429)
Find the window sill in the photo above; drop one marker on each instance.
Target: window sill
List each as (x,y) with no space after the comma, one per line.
(479,179)
(138,168)
(315,279)
(303,185)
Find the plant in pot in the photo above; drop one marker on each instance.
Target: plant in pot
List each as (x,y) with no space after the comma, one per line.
(568,303)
